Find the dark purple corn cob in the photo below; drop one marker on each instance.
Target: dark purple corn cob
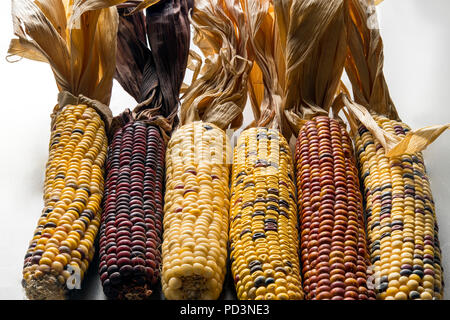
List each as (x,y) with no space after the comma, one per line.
(131,226)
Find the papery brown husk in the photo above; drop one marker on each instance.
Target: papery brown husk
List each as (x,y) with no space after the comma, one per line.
(153,77)
(81,54)
(364,67)
(266,79)
(153,74)
(313,37)
(218,91)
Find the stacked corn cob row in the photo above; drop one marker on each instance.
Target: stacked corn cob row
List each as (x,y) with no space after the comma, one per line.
(401,221)
(333,245)
(263,218)
(73,192)
(196,213)
(130,234)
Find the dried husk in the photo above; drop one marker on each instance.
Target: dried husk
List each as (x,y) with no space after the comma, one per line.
(364,67)
(168,30)
(266,79)
(151,59)
(356,114)
(82,6)
(66,98)
(151,62)
(315,34)
(81,54)
(218,91)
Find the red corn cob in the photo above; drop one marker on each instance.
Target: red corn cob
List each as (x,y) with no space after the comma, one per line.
(130,234)
(333,245)
(151,61)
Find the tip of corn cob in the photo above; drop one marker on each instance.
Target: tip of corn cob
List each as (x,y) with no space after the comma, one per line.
(137,293)
(45,288)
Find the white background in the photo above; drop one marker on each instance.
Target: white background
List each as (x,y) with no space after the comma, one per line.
(417,67)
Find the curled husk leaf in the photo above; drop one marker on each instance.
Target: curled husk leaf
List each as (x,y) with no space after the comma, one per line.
(266,79)
(218,91)
(364,66)
(313,37)
(81,55)
(82,6)
(153,73)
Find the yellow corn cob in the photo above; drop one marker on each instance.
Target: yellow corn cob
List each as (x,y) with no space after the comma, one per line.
(263,228)
(401,222)
(72,195)
(194,249)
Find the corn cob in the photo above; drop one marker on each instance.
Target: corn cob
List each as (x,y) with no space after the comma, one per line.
(63,242)
(263,218)
(150,66)
(333,246)
(401,221)
(194,250)
(130,233)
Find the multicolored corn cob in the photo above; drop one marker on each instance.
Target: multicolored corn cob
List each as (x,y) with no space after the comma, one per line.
(263,218)
(151,62)
(401,221)
(194,251)
(63,243)
(131,229)
(334,255)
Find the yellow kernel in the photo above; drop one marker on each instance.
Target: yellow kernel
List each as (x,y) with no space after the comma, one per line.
(426,296)
(175,283)
(45,261)
(261,291)
(401,296)
(57,266)
(282,296)
(391,291)
(412,284)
